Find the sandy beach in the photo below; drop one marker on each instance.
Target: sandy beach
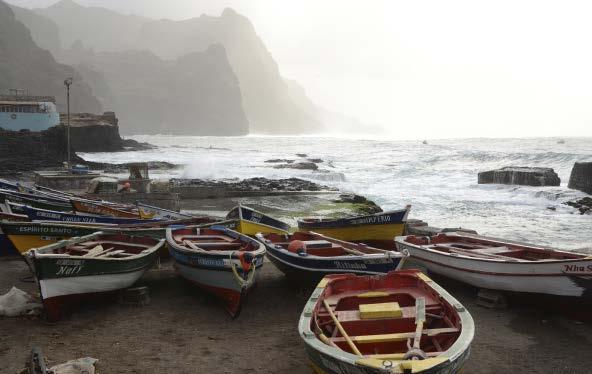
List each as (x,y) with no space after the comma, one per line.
(183,330)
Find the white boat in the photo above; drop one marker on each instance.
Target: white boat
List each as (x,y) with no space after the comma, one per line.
(499,264)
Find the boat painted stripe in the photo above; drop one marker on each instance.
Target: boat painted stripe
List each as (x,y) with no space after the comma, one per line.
(316,270)
(88,284)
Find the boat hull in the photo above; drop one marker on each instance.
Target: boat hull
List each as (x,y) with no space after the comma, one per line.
(381,235)
(251,228)
(214,275)
(560,278)
(62,279)
(48,215)
(326,364)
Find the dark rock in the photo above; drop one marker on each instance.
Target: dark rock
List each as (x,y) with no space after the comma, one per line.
(134,145)
(299,166)
(315,160)
(581,177)
(526,176)
(254,184)
(584,205)
(278,160)
(301,155)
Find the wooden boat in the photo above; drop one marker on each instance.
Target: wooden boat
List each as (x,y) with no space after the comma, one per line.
(310,256)
(85,206)
(218,260)
(400,322)
(250,221)
(149,211)
(27,235)
(6,246)
(35,214)
(502,265)
(92,264)
(33,201)
(377,230)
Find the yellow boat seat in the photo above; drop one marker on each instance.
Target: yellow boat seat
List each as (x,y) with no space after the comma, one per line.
(380,310)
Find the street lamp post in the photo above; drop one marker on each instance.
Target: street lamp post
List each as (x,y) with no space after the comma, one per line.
(68,83)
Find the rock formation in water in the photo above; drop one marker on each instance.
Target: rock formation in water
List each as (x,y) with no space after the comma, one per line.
(23,64)
(271,103)
(581,177)
(196,94)
(526,176)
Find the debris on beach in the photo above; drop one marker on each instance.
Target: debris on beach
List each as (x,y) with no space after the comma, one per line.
(16,303)
(85,365)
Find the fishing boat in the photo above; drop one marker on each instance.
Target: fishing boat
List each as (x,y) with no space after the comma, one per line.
(400,322)
(149,211)
(502,265)
(310,256)
(89,265)
(27,235)
(250,221)
(91,207)
(35,214)
(377,230)
(218,260)
(33,201)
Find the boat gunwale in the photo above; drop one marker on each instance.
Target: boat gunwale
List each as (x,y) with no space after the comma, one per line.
(385,254)
(400,240)
(35,253)
(172,243)
(240,207)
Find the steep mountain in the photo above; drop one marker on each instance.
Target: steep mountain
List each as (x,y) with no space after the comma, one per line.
(25,65)
(44,31)
(267,97)
(196,94)
(98,28)
(272,104)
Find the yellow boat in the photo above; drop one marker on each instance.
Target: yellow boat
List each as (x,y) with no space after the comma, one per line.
(250,222)
(376,229)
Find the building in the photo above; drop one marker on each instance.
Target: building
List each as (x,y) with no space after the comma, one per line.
(20,111)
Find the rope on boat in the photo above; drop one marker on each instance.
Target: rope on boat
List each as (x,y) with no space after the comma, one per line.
(242,282)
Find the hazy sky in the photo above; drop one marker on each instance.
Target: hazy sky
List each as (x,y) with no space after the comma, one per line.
(424,68)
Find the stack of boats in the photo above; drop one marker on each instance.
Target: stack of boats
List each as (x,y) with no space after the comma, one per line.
(365,315)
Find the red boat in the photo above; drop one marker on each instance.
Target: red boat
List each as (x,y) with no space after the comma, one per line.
(401,322)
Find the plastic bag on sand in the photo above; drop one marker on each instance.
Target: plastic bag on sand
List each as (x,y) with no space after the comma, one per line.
(17,302)
(84,365)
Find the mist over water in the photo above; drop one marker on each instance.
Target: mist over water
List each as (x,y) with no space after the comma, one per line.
(439,179)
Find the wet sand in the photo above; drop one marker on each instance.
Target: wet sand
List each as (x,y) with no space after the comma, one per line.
(184,330)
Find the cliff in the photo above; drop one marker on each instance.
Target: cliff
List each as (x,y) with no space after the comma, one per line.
(44,31)
(23,64)
(581,177)
(93,133)
(271,104)
(196,94)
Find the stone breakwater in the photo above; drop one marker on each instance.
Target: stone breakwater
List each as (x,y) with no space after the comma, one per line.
(254,184)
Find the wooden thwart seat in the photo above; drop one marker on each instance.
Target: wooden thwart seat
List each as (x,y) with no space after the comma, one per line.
(395,337)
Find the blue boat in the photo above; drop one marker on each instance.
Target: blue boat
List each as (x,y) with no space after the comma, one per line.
(308,256)
(19,111)
(35,214)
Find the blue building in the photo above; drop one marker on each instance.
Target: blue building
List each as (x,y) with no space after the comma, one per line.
(20,111)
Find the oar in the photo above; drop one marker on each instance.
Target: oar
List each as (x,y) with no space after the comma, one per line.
(341,329)
(420,317)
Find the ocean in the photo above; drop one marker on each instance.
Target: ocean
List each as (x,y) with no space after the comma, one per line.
(438,179)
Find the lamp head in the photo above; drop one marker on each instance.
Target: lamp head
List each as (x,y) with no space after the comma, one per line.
(68,82)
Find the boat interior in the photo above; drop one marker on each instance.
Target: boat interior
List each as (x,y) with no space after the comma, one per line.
(489,249)
(385,318)
(210,240)
(320,245)
(107,246)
